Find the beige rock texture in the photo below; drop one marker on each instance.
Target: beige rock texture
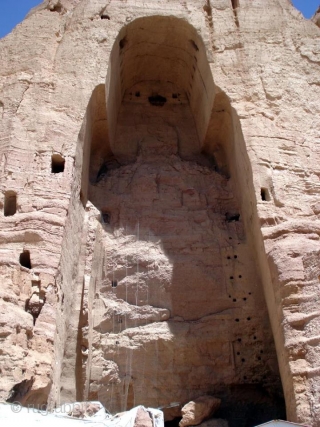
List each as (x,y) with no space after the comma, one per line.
(160,214)
(194,412)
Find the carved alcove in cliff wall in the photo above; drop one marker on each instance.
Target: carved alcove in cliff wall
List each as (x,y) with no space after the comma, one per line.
(177,302)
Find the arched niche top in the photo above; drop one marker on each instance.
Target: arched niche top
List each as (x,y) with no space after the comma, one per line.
(160,50)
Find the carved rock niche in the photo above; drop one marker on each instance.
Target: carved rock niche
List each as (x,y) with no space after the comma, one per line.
(178,309)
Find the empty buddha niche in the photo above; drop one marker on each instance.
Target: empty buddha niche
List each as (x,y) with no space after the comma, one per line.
(179,310)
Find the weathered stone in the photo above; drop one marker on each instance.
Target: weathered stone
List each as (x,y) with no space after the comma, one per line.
(194,412)
(159,186)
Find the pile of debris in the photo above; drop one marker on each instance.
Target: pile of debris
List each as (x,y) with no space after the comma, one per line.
(78,414)
(93,414)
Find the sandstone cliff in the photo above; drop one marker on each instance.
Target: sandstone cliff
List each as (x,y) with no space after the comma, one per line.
(160,216)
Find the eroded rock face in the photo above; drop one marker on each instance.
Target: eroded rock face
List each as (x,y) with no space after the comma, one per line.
(27,332)
(170,248)
(153,221)
(316,17)
(168,254)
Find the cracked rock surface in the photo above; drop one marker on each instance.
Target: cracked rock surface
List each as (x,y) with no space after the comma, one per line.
(160,224)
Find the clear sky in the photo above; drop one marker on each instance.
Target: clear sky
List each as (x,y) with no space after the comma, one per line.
(13,11)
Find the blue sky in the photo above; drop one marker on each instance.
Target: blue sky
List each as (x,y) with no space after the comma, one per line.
(13,11)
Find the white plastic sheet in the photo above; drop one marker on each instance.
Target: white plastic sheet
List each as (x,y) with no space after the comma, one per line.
(14,414)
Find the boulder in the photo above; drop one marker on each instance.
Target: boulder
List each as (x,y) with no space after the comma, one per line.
(194,412)
(143,418)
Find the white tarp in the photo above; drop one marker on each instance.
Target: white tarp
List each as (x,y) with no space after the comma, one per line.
(280,423)
(16,415)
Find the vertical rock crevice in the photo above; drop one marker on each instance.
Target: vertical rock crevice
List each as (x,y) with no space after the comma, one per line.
(235,5)
(208,10)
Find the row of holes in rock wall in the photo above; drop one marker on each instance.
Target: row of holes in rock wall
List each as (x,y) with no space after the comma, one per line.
(258,356)
(155,99)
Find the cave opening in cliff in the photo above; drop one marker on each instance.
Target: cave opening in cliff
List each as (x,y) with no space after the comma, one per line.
(157,100)
(106,217)
(57,163)
(173,180)
(10,203)
(265,196)
(25,260)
